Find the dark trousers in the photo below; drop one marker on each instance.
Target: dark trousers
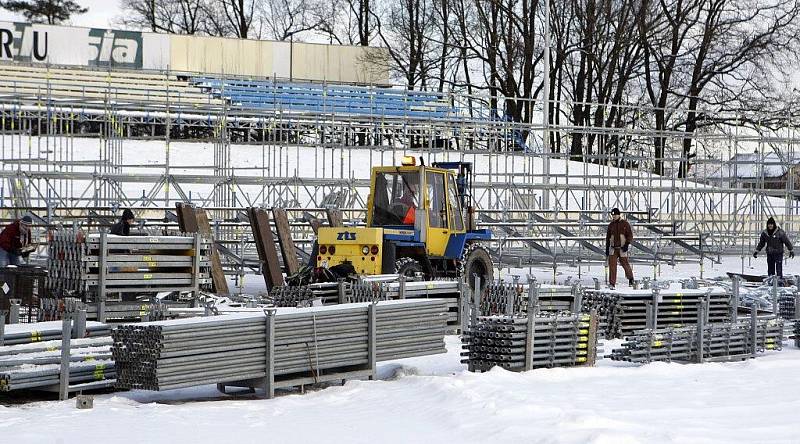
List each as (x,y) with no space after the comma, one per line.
(612,267)
(775,264)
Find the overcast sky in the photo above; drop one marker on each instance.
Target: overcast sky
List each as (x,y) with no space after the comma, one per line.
(101,14)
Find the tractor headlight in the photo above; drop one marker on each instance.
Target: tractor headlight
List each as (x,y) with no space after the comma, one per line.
(365,250)
(374,249)
(323,249)
(332,249)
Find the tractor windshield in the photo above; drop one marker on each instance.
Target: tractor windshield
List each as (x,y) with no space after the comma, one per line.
(396,198)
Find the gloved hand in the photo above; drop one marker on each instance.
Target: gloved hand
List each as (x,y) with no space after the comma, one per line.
(755,254)
(625,248)
(791,254)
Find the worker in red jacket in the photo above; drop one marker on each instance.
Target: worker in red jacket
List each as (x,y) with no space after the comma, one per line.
(15,240)
(618,240)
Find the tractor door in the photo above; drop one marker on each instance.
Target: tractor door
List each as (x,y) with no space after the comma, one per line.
(438,218)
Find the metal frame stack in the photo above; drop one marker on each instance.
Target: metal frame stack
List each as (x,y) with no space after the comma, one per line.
(93,267)
(371,290)
(521,342)
(22,285)
(723,341)
(503,298)
(629,310)
(286,347)
(75,357)
(19,334)
(525,343)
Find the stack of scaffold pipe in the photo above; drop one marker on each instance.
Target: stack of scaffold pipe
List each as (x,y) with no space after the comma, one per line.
(285,347)
(16,334)
(37,366)
(63,356)
(526,340)
(99,268)
(504,298)
(371,289)
(624,311)
(524,343)
(720,341)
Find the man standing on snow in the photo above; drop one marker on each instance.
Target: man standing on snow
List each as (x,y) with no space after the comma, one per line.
(15,240)
(774,238)
(618,239)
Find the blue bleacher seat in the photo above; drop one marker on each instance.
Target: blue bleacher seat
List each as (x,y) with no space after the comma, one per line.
(325,99)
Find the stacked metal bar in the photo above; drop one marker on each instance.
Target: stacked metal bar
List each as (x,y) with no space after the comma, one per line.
(787,306)
(36,366)
(721,341)
(16,334)
(188,352)
(608,309)
(128,264)
(559,340)
(450,291)
(305,295)
(626,310)
(551,298)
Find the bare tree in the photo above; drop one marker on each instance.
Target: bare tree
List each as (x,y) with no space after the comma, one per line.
(170,16)
(239,14)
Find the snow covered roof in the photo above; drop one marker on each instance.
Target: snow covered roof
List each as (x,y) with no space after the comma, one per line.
(750,165)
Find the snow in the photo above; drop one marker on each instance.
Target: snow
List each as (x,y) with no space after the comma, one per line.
(435,400)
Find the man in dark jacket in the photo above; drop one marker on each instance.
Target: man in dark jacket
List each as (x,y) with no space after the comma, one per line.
(618,240)
(123,227)
(774,239)
(15,242)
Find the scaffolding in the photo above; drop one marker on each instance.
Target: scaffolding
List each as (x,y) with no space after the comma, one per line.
(85,158)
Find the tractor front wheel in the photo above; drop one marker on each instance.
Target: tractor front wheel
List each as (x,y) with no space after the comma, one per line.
(408,267)
(476,261)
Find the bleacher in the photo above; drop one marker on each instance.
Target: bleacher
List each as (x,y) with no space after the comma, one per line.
(88,86)
(326,99)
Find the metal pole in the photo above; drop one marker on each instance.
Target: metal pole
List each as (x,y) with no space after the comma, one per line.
(2,327)
(372,341)
(269,377)
(101,276)
(63,380)
(13,314)
(735,299)
(80,324)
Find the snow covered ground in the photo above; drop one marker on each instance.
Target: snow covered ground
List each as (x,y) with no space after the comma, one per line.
(435,400)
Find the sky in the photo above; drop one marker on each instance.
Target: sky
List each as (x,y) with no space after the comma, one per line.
(101,14)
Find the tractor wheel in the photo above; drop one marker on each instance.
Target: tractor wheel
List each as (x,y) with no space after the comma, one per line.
(476,261)
(409,267)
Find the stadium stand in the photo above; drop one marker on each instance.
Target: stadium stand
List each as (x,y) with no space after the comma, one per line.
(326,98)
(93,85)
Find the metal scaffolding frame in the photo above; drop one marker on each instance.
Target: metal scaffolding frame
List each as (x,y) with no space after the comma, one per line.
(542,207)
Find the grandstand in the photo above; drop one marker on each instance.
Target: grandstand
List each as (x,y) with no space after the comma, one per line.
(98,87)
(283,96)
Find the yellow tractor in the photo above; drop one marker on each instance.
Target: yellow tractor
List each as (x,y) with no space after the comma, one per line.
(420,221)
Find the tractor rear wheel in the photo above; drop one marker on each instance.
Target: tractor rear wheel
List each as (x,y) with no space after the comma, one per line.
(409,267)
(476,261)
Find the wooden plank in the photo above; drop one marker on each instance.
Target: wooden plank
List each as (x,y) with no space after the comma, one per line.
(285,241)
(334,217)
(187,219)
(312,221)
(219,283)
(265,244)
